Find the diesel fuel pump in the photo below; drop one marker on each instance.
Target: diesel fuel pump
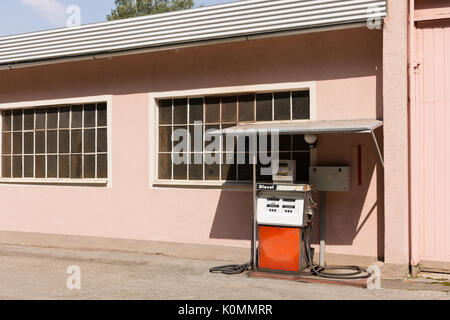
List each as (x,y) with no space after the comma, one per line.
(284,218)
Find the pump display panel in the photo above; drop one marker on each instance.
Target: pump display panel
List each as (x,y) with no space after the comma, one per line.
(281,209)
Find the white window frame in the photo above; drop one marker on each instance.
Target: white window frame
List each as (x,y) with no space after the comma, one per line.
(154,182)
(58,102)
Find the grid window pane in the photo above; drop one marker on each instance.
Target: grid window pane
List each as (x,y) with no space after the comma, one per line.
(302,162)
(28,121)
(196,138)
(17,143)
(299,143)
(165,139)
(64,138)
(212,171)
(221,113)
(196,166)
(40,166)
(52,141)
(89,140)
(77,116)
(102,166)
(40,118)
(212,109)
(300,105)
(165,111)
(180,170)
(39,142)
(17,120)
(180,111)
(28,168)
(89,115)
(32,139)
(247,108)
(76,141)
(89,166)
(6,143)
(64,166)
(28,141)
(64,117)
(264,107)
(285,142)
(6,120)
(17,167)
(282,106)
(52,167)
(52,118)
(245,172)
(196,110)
(75,166)
(229,109)
(101,115)
(6,167)
(102,145)
(165,166)
(228,172)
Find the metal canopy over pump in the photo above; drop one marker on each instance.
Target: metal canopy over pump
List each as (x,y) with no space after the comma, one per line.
(312,127)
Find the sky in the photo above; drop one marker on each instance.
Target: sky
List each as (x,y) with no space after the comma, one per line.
(21,16)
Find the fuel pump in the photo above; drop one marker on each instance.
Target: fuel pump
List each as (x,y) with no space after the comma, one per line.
(284,218)
(281,240)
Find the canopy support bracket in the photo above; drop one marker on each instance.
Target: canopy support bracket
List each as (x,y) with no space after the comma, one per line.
(377,146)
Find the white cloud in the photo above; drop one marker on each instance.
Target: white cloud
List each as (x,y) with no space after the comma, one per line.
(52,10)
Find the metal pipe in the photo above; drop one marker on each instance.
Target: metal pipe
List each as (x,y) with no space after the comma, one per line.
(253,262)
(323,201)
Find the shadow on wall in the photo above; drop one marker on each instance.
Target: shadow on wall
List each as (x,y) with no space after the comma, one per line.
(233,217)
(358,212)
(349,214)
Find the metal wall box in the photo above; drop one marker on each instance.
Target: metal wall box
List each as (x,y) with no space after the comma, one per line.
(330,178)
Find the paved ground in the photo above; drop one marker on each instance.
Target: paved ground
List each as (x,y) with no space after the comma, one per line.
(40,273)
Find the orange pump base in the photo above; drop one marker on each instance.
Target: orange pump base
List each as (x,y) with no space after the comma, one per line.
(279,249)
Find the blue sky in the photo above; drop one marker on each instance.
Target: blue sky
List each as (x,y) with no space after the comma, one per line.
(20,16)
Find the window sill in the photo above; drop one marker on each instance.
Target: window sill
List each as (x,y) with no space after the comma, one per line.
(50,181)
(241,186)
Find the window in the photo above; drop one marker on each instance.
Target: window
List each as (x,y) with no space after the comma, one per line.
(200,114)
(55,142)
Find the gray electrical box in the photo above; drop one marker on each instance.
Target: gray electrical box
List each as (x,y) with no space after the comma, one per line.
(330,178)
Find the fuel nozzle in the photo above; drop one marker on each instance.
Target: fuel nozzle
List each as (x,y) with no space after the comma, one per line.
(310,205)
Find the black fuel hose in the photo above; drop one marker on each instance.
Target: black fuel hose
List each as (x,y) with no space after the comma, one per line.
(319,271)
(231,268)
(355,272)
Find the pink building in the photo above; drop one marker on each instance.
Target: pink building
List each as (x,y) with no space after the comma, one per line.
(88,112)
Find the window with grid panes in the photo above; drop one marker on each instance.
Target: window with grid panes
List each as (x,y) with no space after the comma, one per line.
(224,111)
(55,142)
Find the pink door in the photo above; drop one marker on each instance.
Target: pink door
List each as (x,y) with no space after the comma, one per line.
(430,145)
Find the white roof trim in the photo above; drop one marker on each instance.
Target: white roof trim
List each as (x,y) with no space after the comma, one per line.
(225,21)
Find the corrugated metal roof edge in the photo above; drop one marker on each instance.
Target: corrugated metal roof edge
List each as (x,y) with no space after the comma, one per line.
(100,55)
(185,12)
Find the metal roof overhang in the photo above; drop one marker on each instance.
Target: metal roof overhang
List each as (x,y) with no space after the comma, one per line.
(235,21)
(310,127)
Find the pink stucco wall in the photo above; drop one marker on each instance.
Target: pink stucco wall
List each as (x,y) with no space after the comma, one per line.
(347,68)
(395,101)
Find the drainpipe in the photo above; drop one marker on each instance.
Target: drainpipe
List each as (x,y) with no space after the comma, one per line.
(414,230)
